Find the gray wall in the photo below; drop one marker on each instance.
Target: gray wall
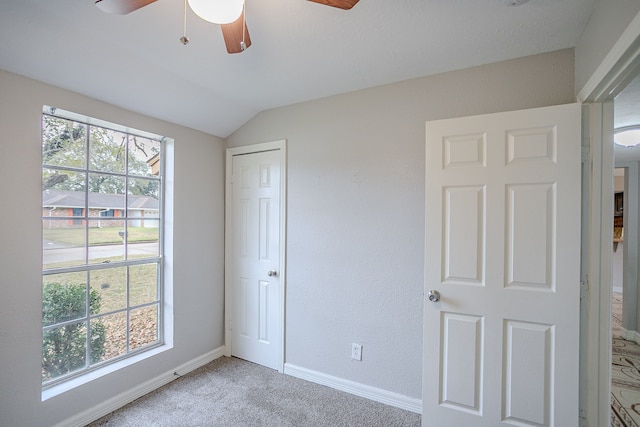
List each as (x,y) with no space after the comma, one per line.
(355,233)
(355,226)
(198,253)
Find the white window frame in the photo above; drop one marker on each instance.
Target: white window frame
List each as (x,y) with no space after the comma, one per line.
(164,260)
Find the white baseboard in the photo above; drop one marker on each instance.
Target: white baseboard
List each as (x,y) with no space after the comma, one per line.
(372,393)
(630,335)
(116,402)
(617,289)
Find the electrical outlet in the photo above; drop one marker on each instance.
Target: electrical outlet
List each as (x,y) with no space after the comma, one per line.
(356,351)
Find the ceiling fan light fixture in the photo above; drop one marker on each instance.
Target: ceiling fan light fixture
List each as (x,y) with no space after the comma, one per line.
(628,136)
(217,11)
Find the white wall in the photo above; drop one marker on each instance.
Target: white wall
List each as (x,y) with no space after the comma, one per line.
(356,209)
(198,253)
(617,267)
(607,23)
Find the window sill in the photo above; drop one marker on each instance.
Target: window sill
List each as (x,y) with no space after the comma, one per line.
(101,372)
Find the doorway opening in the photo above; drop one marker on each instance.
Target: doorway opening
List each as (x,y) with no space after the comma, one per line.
(625,328)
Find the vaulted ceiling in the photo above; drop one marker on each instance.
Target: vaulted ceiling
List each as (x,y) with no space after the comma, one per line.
(301,50)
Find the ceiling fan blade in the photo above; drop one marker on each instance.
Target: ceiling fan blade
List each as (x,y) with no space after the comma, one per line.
(121,7)
(233,35)
(342,4)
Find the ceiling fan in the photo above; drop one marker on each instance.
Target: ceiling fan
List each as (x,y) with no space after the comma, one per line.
(228,13)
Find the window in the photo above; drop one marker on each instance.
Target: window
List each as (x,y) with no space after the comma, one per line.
(102,232)
(76,213)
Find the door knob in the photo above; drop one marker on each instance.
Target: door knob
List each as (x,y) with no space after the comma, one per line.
(272,273)
(434,296)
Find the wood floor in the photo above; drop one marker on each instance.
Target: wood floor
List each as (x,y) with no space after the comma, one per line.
(625,373)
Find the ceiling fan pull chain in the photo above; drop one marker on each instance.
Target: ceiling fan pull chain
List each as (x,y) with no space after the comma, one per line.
(184,39)
(243,45)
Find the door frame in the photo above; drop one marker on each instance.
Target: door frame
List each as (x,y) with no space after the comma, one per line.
(281,146)
(617,69)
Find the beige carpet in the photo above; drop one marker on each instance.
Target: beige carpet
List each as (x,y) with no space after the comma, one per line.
(625,374)
(233,392)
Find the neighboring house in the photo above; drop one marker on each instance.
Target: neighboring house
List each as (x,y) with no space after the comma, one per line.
(154,162)
(108,208)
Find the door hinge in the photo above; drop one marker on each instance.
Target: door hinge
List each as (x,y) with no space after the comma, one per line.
(584,290)
(582,419)
(585,153)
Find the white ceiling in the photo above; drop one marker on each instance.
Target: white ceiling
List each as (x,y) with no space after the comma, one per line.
(627,113)
(301,50)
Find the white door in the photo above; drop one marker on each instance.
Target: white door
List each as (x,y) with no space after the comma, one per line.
(254,258)
(502,250)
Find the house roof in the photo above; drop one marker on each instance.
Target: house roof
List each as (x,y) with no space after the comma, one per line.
(301,50)
(76,199)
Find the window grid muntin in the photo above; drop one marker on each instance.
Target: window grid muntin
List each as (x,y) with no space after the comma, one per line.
(87,267)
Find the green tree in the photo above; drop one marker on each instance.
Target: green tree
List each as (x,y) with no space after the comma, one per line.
(64,349)
(64,144)
(59,136)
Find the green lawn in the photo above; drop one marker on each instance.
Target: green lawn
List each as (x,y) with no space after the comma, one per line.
(111,284)
(99,236)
